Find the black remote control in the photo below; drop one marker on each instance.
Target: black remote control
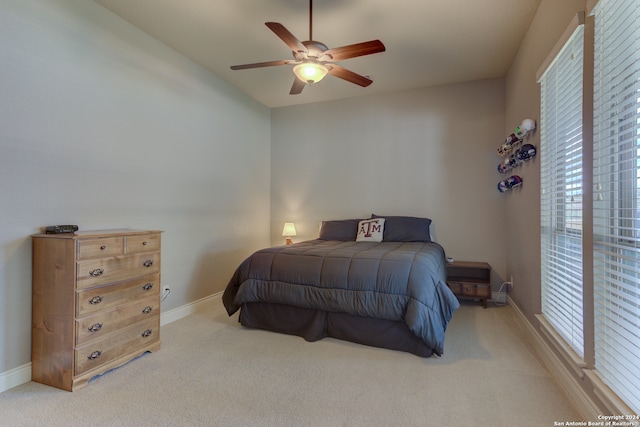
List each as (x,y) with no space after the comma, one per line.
(59,229)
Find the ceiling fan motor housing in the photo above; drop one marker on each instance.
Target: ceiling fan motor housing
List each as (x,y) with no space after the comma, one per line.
(314,50)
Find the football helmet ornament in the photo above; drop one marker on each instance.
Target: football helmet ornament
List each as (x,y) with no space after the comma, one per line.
(526,152)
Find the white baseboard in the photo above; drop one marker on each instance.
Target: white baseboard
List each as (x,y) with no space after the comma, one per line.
(567,381)
(187,309)
(22,374)
(15,377)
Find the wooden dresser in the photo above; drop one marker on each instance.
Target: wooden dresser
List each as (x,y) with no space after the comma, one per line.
(96,303)
(468,279)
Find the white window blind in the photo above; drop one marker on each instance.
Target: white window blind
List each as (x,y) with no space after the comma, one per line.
(561,191)
(616,207)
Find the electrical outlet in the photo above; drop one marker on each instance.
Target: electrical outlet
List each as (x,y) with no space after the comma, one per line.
(511,282)
(166,290)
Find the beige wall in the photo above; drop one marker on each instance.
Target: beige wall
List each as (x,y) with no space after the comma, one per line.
(104,127)
(426,152)
(523,101)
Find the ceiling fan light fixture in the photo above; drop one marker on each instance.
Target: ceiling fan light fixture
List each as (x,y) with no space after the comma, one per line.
(310,72)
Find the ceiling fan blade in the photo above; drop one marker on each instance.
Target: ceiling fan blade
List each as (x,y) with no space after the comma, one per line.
(350,76)
(297,86)
(262,64)
(354,50)
(286,36)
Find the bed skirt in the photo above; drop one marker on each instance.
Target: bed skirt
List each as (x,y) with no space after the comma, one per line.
(313,325)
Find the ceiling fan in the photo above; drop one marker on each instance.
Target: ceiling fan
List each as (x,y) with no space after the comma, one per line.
(313,60)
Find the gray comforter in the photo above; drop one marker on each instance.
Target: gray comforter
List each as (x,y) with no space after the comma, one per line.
(402,281)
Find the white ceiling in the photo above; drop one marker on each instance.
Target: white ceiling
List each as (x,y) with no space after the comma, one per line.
(428,42)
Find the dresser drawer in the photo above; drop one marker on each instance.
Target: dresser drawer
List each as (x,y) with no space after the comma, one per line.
(106,322)
(94,354)
(90,301)
(142,243)
(95,248)
(106,270)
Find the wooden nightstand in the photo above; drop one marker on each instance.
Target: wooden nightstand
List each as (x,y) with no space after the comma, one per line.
(469,279)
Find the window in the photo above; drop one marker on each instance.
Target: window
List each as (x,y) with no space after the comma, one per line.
(616,207)
(561,88)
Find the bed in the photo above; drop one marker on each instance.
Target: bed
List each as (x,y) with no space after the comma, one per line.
(382,285)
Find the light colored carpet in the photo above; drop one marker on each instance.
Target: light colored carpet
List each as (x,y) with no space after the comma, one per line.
(213,372)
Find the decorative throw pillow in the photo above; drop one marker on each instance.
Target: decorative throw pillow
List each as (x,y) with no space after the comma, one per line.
(370,230)
(405,228)
(344,230)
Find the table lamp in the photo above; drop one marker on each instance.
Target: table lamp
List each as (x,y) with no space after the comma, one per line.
(288,231)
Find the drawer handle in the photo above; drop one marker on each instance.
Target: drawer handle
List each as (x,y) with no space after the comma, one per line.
(148,263)
(96,273)
(147,286)
(147,309)
(94,355)
(103,247)
(144,243)
(95,327)
(95,300)
(146,333)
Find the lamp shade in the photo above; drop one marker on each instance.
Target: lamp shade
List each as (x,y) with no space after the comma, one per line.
(310,72)
(289,229)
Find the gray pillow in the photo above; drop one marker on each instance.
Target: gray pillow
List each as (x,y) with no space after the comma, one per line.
(405,229)
(344,229)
